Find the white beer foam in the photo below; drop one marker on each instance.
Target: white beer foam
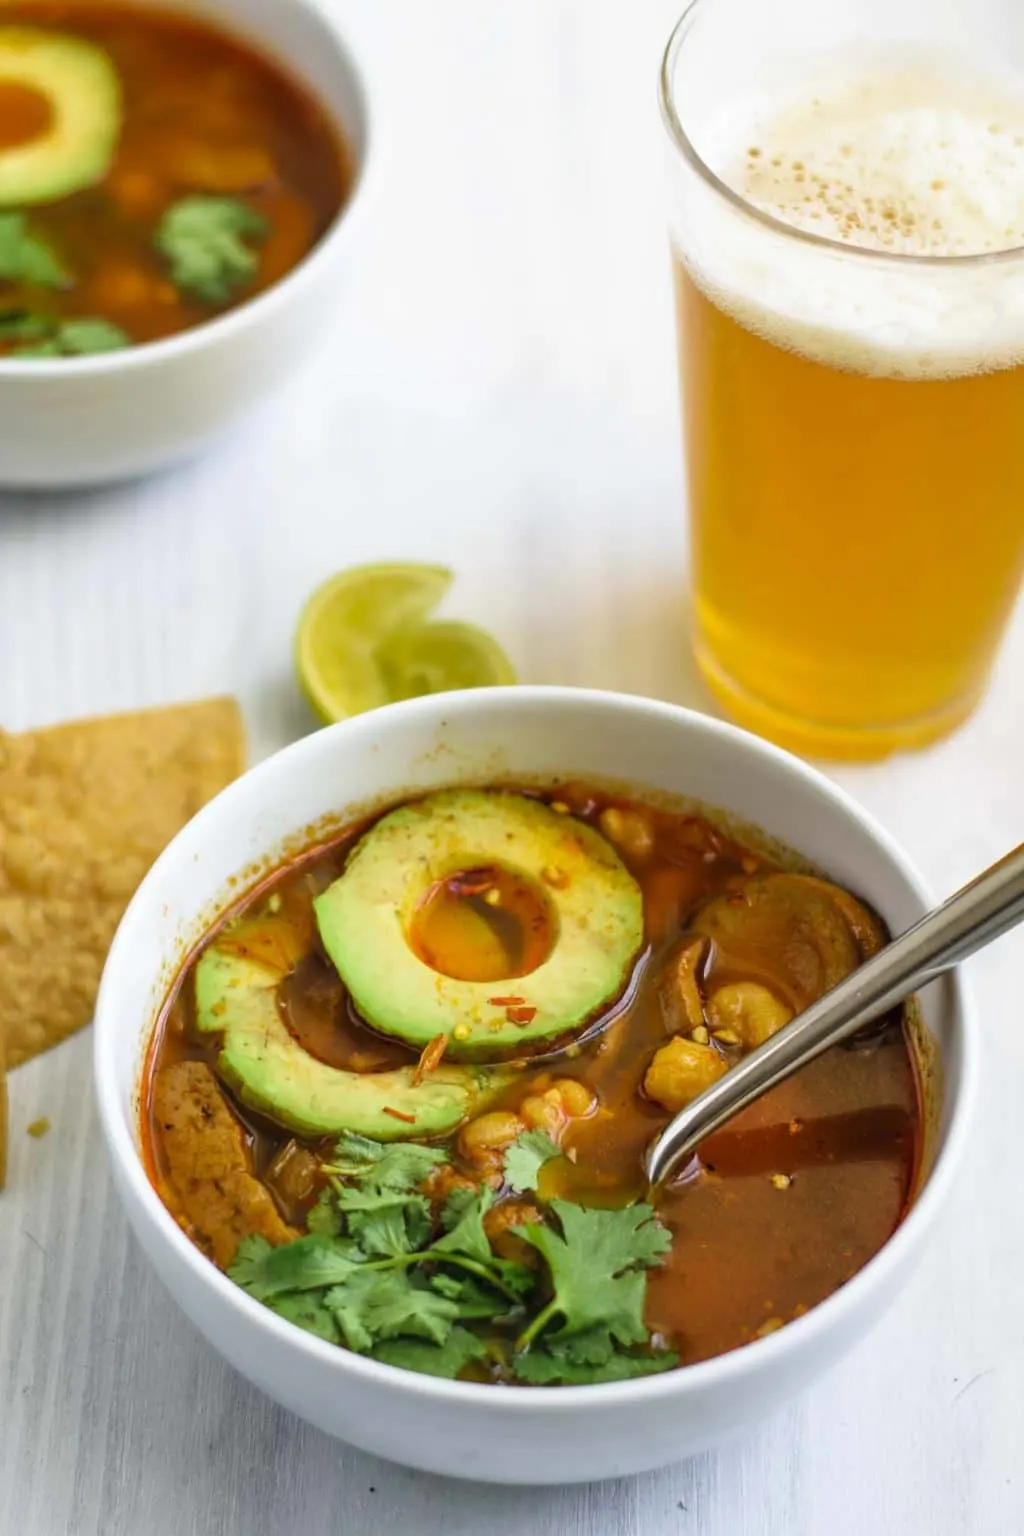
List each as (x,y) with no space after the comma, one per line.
(912,162)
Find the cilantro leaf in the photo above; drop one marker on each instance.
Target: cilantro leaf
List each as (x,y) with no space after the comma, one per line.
(356,1156)
(456,1206)
(386,1225)
(473,1298)
(596,1265)
(307,1264)
(467,1243)
(306,1310)
(582,1358)
(463,1216)
(247,1266)
(20,325)
(448,1359)
(381,1234)
(24,258)
(385,1165)
(79,338)
(362,1199)
(541,1368)
(467,1234)
(324,1217)
(595,1346)
(68,338)
(384,1304)
(204,240)
(447,1285)
(50,347)
(479,1299)
(526,1157)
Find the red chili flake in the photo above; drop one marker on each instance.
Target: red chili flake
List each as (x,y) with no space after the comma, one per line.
(396,1114)
(520,1015)
(506,1002)
(471,882)
(430,1059)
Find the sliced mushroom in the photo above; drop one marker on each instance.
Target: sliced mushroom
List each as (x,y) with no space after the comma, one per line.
(864,925)
(682,1006)
(786,931)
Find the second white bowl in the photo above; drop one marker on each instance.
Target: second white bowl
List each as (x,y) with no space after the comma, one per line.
(80,421)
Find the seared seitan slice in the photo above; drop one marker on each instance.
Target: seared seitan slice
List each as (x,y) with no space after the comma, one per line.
(209,1167)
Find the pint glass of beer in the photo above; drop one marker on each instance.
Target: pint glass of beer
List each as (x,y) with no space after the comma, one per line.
(847,222)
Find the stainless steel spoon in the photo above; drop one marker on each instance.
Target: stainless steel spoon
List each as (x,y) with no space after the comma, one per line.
(981,912)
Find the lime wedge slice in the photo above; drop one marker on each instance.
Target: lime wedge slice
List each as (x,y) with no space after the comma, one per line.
(343,622)
(439,658)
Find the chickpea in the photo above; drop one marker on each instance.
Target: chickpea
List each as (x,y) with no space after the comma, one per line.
(552,1110)
(577,1099)
(680,1071)
(511,1213)
(750,1011)
(484,1140)
(544,1112)
(444,1181)
(629,830)
(121,286)
(137,193)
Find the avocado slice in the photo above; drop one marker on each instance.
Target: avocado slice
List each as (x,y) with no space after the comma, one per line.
(83,89)
(272,1074)
(364,920)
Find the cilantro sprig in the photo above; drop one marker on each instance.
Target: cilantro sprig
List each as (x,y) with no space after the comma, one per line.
(47,336)
(207,243)
(386,1272)
(597,1262)
(24,258)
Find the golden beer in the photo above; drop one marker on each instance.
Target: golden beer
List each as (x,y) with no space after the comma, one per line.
(854,409)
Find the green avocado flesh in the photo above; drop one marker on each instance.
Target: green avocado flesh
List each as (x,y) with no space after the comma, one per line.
(84,93)
(272,1074)
(365,916)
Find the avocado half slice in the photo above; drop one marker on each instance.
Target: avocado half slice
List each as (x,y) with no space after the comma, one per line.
(365,916)
(83,89)
(272,1074)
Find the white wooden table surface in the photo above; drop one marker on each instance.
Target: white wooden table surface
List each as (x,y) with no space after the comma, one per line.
(496,391)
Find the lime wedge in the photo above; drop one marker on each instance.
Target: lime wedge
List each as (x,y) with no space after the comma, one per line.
(438,658)
(364,640)
(345,619)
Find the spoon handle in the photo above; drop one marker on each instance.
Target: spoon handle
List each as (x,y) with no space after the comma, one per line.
(981,912)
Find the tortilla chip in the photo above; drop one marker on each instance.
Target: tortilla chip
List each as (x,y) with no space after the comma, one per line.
(85,809)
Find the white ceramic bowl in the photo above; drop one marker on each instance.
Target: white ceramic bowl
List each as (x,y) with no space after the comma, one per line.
(529,1435)
(80,421)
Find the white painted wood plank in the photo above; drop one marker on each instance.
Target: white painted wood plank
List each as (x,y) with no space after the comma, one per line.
(497,391)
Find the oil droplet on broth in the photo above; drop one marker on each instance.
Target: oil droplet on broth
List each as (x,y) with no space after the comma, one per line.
(483,924)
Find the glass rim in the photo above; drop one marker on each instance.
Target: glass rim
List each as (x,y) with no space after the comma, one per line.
(685,145)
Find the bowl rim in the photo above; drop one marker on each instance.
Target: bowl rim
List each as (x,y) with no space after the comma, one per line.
(208,333)
(799,1336)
